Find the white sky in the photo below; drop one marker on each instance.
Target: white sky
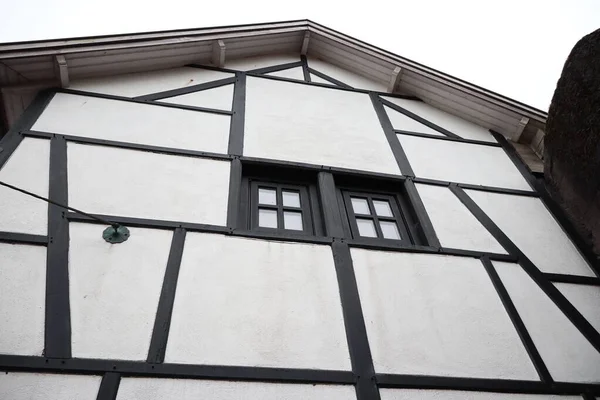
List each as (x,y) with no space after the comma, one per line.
(514,47)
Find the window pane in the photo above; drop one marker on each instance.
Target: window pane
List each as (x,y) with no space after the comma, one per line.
(360,206)
(291,199)
(267,196)
(267,218)
(389,230)
(292,220)
(382,208)
(366,227)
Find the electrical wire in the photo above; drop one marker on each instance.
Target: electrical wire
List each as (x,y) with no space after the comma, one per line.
(113,224)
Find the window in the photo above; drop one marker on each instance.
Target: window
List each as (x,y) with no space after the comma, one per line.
(280,206)
(373,215)
(280,200)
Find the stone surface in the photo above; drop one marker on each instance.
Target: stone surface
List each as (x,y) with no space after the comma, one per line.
(572,159)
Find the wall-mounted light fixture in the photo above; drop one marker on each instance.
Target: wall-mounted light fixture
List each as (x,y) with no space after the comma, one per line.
(115,233)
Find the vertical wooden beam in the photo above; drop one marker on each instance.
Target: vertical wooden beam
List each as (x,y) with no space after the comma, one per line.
(58,310)
(421,213)
(356,332)
(109,386)
(234,199)
(305,69)
(329,204)
(236,131)
(162,323)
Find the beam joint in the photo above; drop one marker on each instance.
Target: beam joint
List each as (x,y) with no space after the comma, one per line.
(305,43)
(218,53)
(520,129)
(394,79)
(63,70)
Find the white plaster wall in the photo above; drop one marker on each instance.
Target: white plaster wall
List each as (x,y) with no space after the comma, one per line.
(585,298)
(136,123)
(22,299)
(288,121)
(565,351)
(454,124)
(292,73)
(188,389)
(314,78)
(257,303)
(133,183)
(454,224)
(403,123)
(114,291)
(461,162)
(27,168)
(348,77)
(248,63)
(142,83)
(33,386)
(530,226)
(421,394)
(436,315)
(220,98)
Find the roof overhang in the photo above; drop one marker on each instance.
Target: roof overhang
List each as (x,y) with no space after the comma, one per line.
(26,67)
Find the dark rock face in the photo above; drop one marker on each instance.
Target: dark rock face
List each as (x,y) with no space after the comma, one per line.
(572,142)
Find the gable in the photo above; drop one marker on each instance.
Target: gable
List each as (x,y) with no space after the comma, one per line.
(28,67)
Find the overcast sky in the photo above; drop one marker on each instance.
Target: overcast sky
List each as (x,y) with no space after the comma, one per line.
(514,47)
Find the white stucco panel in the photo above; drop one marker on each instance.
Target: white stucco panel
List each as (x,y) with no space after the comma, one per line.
(133,183)
(461,162)
(403,123)
(248,63)
(463,128)
(257,303)
(454,224)
(189,389)
(33,386)
(422,394)
(22,299)
(316,79)
(292,73)
(27,168)
(565,351)
(135,123)
(530,226)
(114,291)
(142,83)
(220,98)
(316,125)
(345,76)
(586,300)
(436,315)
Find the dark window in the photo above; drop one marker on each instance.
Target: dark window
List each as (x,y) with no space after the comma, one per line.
(280,206)
(279,199)
(374,215)
(377,210)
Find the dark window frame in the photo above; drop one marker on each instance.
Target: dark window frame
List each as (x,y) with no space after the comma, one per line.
(279,207)
(369,196)
(291,179)
(376,219)
(393,190)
